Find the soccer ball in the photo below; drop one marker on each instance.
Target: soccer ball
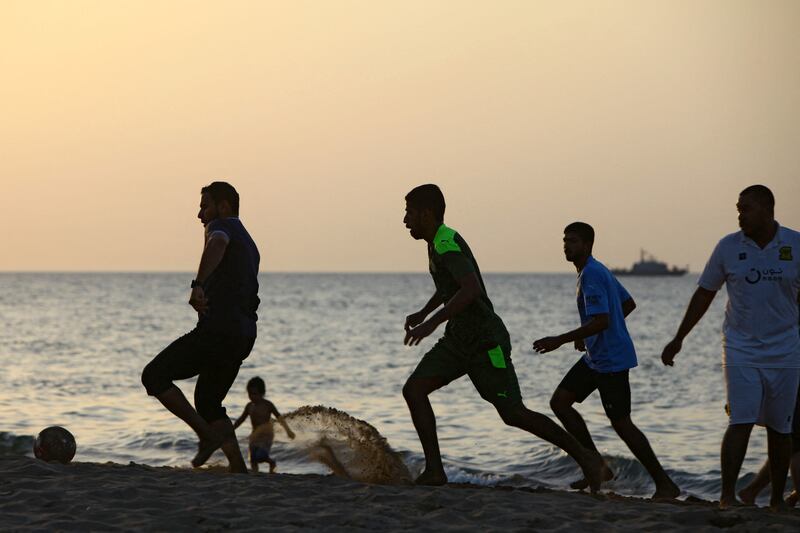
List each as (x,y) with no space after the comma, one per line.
(54,444)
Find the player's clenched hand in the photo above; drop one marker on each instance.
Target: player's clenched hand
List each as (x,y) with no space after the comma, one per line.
(198,300)
(670,351)
(415,335)
(580,345)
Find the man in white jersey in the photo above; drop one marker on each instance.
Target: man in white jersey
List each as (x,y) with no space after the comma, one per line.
(760,267)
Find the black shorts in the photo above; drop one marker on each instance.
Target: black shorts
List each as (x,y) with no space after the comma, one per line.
(491,370)
(213,357)
(614,387)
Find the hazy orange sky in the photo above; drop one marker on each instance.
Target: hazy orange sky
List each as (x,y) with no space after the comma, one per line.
(643,118)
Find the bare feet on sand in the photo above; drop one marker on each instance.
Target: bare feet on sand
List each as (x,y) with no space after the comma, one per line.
(748,496)
(431,478)
(213,442)
(206,448)
(730,502)
(607,475)
(592,467)
(779,507)
(666,490)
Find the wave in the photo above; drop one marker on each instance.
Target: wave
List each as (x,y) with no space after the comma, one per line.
(556,470)
(11,444)
(348,446)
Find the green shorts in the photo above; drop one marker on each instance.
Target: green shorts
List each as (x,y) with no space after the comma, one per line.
(490,371)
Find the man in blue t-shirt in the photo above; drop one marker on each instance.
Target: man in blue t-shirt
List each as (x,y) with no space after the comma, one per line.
(603,304)
(225,296)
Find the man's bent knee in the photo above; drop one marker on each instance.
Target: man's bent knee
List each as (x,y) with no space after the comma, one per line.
(561,400)
(621,423)
(418,388)
(511,415)
(154,381)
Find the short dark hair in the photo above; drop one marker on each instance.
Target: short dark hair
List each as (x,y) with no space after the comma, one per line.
(257,384)
(221,191)
(761,194)
(582,230)
(428,196)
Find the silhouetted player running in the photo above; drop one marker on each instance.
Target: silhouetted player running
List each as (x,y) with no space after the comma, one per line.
(475,343)
(603,304)
(225,296)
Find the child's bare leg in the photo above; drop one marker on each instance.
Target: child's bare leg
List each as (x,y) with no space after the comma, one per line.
(254,466)
(272,465)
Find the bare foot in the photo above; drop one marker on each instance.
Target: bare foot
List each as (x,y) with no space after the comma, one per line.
(581,484)
(748,495)
(238,470)
(205,449)
(729,502)
(779,507)
(431,478)
(592,467)
(791,501)
(667,491)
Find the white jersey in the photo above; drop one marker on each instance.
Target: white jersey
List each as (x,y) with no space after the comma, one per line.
(761,316)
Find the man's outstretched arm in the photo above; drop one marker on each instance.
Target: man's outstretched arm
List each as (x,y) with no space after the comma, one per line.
(593,326)
(698,305)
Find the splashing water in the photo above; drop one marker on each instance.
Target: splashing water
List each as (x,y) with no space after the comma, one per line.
(348,446)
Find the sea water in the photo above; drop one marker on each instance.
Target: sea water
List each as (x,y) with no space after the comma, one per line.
(72,347)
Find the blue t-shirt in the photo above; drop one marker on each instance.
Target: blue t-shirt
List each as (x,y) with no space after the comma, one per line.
(599,293)
(232,289)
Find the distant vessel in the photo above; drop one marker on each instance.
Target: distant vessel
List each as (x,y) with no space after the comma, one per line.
(649,266)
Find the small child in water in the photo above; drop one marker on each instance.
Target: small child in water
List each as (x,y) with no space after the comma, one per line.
(260,411)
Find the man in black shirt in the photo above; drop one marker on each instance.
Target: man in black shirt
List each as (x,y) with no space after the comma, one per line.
(225,296)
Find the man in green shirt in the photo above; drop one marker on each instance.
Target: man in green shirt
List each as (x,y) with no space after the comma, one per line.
(475,343)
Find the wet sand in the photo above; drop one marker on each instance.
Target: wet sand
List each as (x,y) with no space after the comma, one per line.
(87,496)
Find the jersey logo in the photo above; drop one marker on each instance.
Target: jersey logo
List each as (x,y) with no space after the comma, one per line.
(768,274)
(742,256)
(755,274)
(785,253)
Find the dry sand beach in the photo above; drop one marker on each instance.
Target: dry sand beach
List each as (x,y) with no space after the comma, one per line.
(88,496)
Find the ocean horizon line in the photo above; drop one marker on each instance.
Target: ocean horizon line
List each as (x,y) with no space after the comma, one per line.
(299,272)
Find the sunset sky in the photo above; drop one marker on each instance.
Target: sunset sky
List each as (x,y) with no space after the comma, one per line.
(643,118)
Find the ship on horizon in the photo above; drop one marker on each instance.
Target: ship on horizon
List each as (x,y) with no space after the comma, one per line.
(648,265)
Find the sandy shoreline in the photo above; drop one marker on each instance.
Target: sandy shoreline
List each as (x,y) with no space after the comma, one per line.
(87,496)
